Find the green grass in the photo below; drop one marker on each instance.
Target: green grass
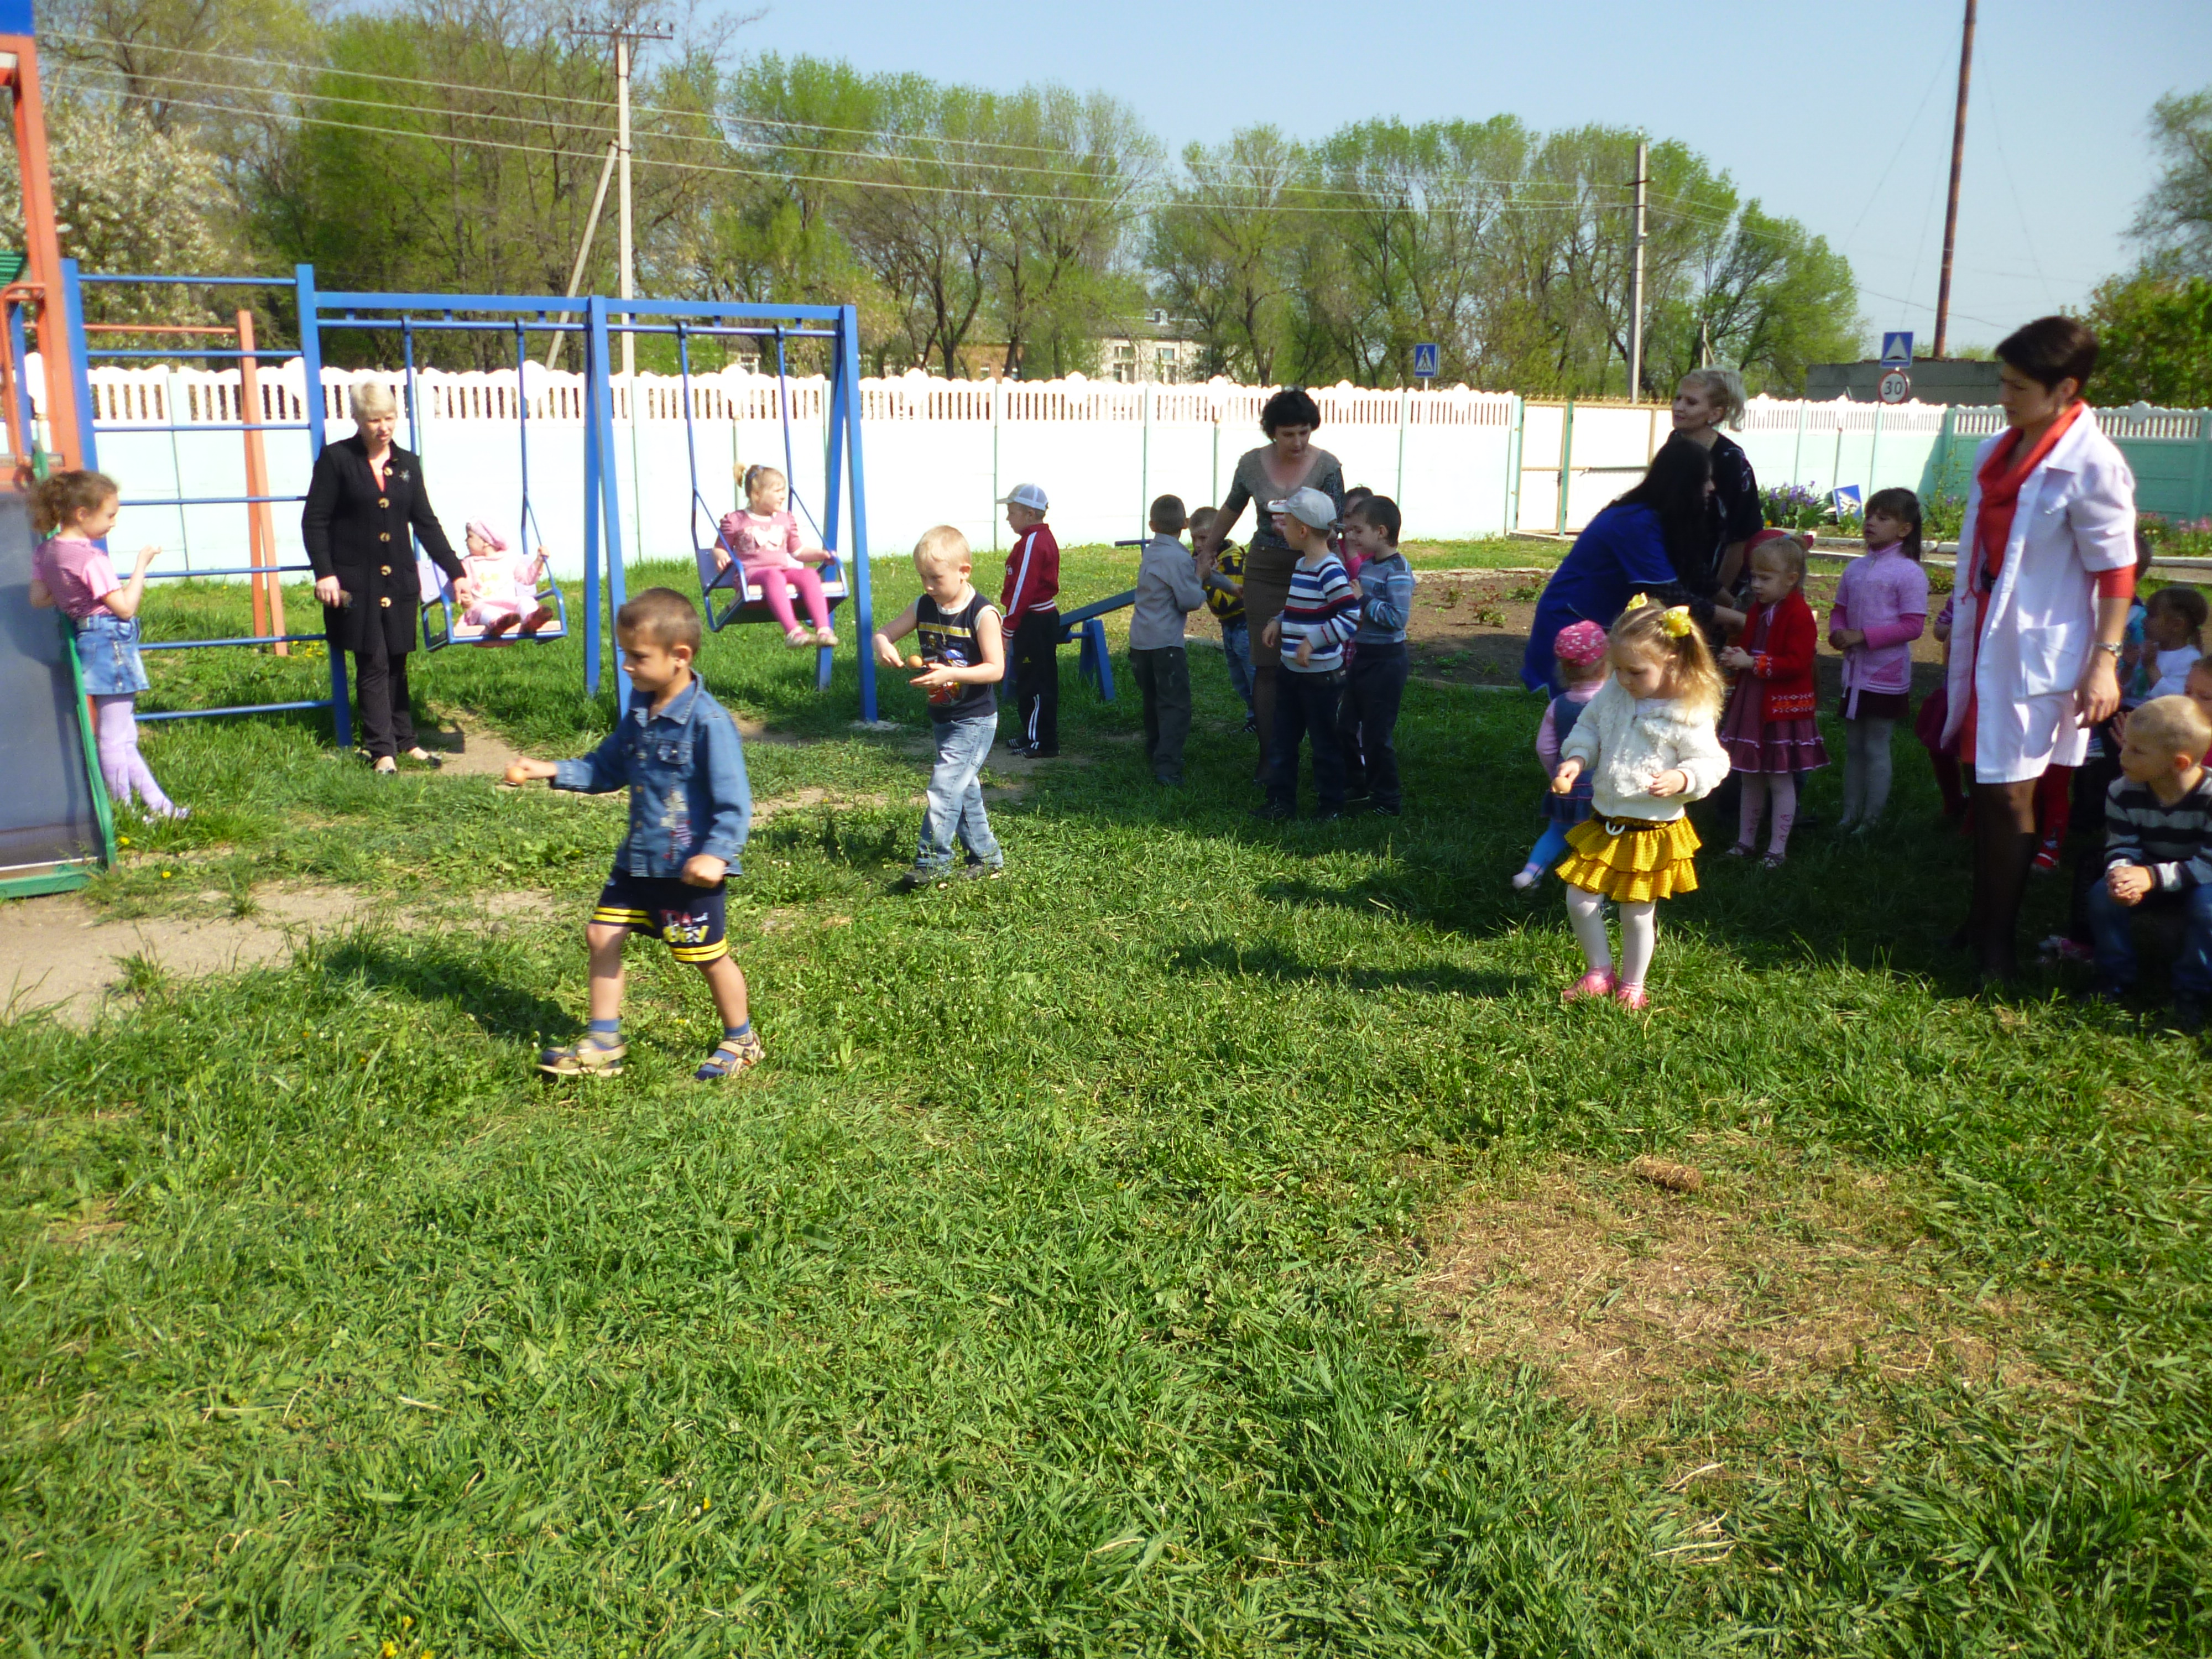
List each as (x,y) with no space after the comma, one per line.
(1046,1293)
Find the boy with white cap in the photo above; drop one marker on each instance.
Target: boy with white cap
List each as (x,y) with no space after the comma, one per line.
(1318,617)
(1030,600)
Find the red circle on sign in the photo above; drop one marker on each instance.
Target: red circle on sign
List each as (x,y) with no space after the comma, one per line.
(1896,386)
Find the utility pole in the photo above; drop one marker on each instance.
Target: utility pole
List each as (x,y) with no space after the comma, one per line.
(1636,276)
(625,35)
(1958,161)
(583,257)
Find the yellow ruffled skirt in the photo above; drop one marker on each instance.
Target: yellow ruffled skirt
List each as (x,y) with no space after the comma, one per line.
(1631,860)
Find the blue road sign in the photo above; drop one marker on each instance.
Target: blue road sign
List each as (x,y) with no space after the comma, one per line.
(1425,357)
(1896,348)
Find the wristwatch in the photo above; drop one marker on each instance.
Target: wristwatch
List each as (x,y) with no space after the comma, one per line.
(2103,645)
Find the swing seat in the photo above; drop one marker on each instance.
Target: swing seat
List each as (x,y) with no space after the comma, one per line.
(730,597)
(444,624)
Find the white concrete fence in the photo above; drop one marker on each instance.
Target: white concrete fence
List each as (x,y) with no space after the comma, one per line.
(1461,464)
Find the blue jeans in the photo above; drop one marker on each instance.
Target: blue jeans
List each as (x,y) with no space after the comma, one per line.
(1305,706)
(955,797)
(1236,646)
(1551,846)
(2112,924)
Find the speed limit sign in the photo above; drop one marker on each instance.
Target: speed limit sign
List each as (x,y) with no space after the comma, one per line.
(1896,386)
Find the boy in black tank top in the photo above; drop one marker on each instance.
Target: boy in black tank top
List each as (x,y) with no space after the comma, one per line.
(963,658)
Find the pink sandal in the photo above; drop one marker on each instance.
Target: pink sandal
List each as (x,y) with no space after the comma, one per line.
(1597,984)
(1634,997)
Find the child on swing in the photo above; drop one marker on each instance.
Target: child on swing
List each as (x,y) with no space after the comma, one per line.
(506,585)
(766,539)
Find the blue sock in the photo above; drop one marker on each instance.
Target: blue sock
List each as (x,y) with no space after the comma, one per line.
(737,1033)
(605,1032)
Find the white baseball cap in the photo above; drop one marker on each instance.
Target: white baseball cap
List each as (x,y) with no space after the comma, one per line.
(1309,507)
(1029,496)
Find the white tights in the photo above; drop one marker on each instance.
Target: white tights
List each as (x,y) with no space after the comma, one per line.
(1758,788)
(1639,933)
(1866,769)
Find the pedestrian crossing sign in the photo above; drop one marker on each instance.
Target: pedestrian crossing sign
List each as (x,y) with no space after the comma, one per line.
(1425,357)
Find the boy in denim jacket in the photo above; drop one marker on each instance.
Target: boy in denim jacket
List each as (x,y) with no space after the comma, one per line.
(677,751)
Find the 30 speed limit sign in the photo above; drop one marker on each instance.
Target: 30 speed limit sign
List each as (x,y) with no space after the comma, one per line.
(1896,386)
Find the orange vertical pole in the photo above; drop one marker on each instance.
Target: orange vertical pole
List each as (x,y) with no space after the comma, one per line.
(260,523)
(42,246)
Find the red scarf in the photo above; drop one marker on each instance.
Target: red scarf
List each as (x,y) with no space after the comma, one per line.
(2001,477)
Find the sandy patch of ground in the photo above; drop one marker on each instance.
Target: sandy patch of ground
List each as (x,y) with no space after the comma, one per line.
(61,954)
(1629,1295)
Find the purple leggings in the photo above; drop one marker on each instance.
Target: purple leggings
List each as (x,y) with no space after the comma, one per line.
(120,762)
(777,595)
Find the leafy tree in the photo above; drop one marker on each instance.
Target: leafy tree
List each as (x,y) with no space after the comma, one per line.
(1225,249)
(2177,216)
(2154,331)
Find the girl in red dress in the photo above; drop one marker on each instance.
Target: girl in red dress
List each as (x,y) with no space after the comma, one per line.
(1769,730)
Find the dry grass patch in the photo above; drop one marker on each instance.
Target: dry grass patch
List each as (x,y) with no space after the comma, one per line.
(1771,1279)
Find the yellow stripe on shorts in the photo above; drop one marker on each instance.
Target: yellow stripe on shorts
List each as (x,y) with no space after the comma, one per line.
(719,949)
(620,918)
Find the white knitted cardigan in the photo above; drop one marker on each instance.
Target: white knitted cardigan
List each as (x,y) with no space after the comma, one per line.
(1623,744)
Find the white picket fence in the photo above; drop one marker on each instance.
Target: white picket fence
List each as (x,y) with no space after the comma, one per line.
(1460,463)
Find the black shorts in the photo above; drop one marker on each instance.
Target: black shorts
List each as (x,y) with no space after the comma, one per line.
(691,919)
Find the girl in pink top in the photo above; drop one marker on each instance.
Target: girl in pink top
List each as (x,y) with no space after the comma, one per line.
(1882,607)
(766,538)
(70,570)
(506,585)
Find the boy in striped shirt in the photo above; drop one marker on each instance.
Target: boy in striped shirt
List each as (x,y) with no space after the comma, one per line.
(2158,851)
(1319,616)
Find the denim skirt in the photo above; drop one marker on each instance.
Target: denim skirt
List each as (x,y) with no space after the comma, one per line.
(107,647)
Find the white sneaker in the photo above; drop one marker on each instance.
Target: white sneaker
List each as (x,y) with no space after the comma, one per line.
(1526,876)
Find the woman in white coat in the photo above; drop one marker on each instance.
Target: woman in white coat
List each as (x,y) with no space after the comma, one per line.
(2045,570)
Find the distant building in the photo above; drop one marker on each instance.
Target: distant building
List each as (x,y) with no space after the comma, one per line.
(1945,380)
(1157,349)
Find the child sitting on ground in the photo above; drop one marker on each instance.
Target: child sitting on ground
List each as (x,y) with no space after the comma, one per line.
(963,658)
(1647,742)
(1881,607)
(678,753)
(1770,731)
(2158,852)
(1225,597)
(1374,678)
(1317,620)
(2174,637)
(1170,586)
(1580,648)
(506,585)
(69,569)
(768,545)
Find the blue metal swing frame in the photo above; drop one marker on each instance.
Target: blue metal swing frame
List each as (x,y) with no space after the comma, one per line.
(841,326)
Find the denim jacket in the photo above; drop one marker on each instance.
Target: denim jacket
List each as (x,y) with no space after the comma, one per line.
(685,768)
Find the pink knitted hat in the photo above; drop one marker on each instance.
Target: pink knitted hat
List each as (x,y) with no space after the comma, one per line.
(485,533)
(1580,643)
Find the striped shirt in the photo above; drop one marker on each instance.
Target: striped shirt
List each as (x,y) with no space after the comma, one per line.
(1322,609)
(2174,843)
(1385,588)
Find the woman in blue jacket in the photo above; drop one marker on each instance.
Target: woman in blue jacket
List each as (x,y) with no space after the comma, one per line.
(1655,539)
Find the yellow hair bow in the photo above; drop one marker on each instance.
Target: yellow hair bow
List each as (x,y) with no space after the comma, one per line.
(1638,601)
(1675,619)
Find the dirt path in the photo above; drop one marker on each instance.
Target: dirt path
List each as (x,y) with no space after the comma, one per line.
(61,954)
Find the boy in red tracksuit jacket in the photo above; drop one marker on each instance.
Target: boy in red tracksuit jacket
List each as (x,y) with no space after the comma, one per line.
(1030,602)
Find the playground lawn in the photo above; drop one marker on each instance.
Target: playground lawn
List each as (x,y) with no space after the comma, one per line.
(1210,1238)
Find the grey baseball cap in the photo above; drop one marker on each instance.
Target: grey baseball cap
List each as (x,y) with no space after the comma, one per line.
(1308,507)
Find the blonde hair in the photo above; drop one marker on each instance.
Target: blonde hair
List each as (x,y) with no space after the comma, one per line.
(60,499)
(2176,725)
(1724,388)
(370,398)
(1648,630)
(942,542)
(1787,552)
(753,474)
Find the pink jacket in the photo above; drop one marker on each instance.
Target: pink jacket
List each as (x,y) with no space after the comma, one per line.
(1884,595)
(772,542)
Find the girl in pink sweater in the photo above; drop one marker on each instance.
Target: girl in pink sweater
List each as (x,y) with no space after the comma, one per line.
(1881,606)
(766,538)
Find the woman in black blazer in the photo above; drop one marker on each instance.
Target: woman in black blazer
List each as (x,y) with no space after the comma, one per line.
(365,495)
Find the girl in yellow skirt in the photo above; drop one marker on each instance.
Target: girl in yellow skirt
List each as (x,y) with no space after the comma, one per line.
(1647,740)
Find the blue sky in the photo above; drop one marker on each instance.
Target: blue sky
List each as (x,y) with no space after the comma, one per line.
(1811,107)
